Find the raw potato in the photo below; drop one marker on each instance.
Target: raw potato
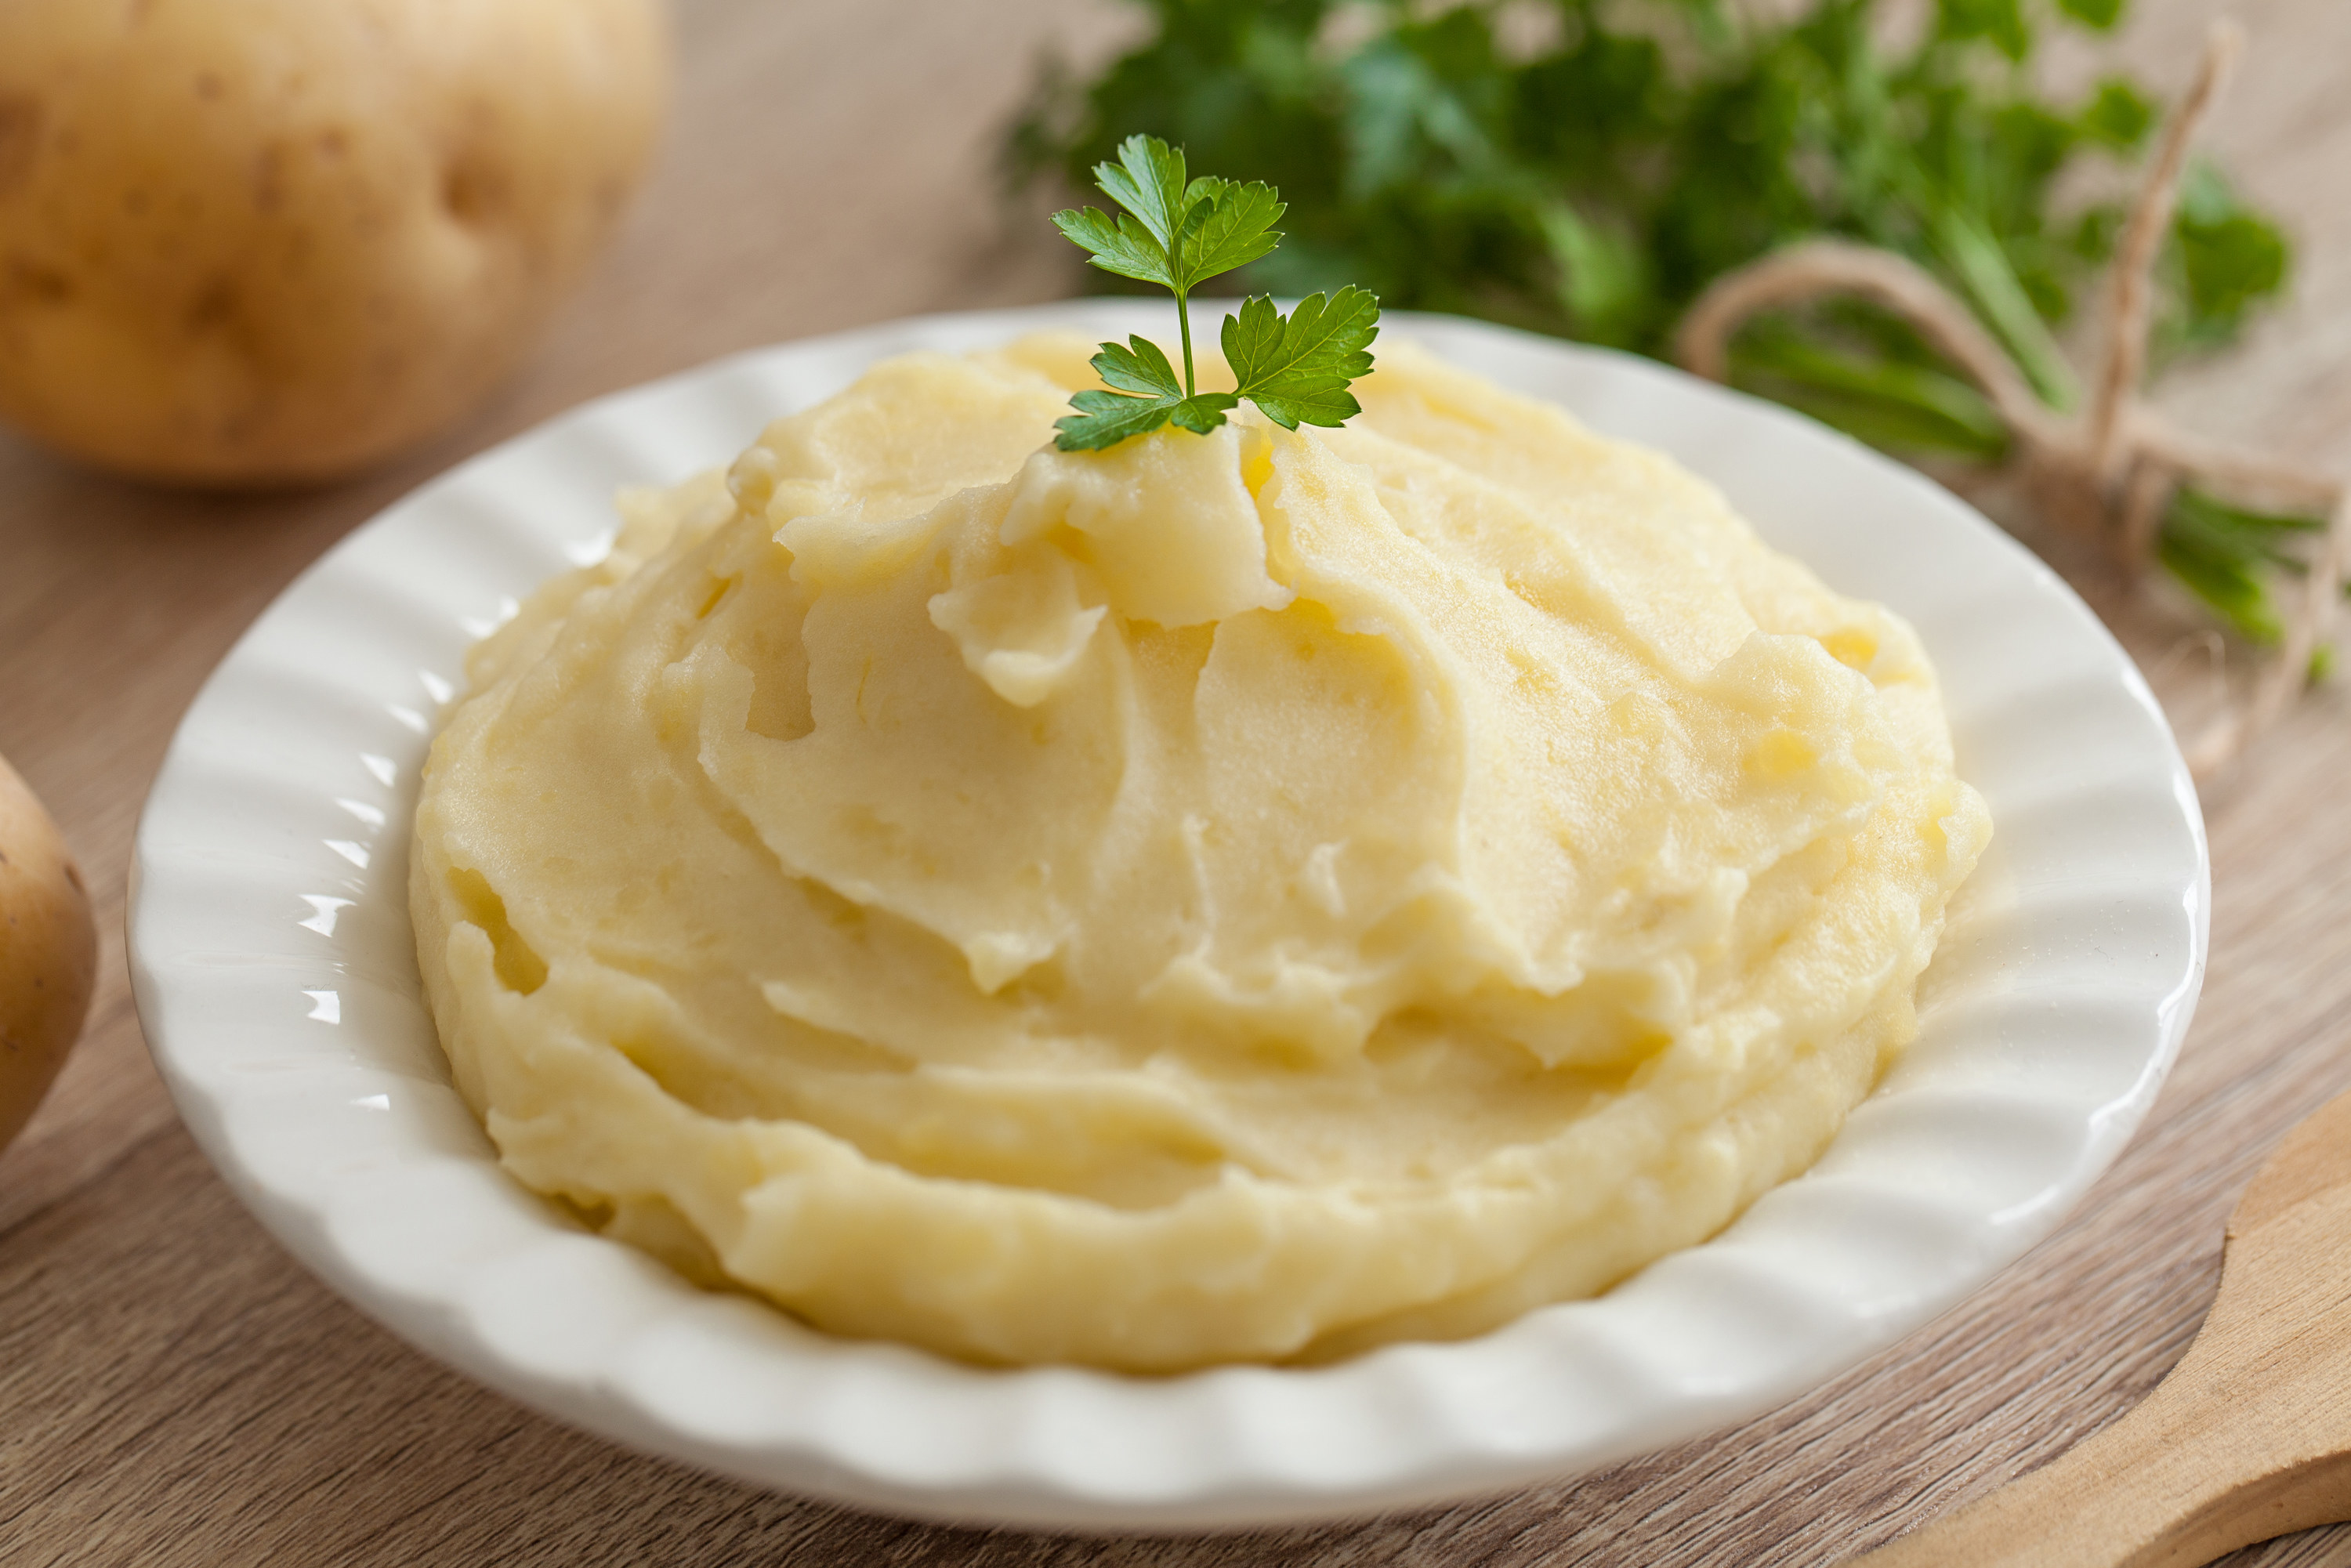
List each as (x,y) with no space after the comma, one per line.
(265,241)
(48,953)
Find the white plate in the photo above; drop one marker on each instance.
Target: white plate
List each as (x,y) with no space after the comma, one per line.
(276,978)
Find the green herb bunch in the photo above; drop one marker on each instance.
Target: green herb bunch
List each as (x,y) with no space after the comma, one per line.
(1589,175)
(1178,233)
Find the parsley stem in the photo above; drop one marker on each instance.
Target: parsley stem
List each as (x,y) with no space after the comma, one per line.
(1183,320)
(1182,310)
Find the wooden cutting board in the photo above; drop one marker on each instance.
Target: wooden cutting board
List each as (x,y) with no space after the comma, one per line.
(174,1390)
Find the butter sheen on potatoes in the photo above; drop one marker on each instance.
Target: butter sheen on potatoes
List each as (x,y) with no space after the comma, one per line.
(1252,896)
(48,953)
(267,241)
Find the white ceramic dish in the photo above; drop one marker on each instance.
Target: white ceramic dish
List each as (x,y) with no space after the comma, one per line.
(276,976)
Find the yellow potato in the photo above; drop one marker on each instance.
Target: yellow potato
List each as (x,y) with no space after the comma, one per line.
(48,953)
(266,241)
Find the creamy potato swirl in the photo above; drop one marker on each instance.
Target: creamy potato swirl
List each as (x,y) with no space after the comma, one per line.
(1245,896)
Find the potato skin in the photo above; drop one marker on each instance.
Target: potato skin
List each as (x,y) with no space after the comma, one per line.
(48,953)
(257,241)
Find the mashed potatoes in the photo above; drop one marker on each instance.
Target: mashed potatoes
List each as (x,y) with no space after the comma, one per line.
(1253,896)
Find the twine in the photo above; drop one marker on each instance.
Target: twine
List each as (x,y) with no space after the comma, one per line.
(2111,474)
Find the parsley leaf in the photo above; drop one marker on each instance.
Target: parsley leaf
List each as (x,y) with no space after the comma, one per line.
(1106,418)
(1148,181)
(1177,232)
(1234,231)
(1121,246)
(1296,368)
(1138,368)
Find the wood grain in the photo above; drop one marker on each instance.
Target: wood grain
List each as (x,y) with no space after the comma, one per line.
(2248,1438)
(174,1390)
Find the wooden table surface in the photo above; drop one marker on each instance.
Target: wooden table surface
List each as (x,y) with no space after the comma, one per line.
(175,1390)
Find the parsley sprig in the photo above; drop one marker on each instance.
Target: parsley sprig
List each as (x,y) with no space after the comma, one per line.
(1178,232)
